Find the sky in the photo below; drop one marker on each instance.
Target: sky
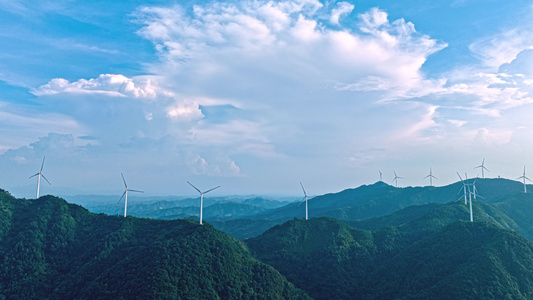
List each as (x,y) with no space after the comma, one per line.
(259,95)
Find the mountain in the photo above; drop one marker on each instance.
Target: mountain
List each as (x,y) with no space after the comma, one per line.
(421,252)
(245,216)
(463,261)
(53,249)
(215,208)
(380,199)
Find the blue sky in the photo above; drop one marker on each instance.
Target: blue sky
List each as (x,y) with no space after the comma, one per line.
(259,95)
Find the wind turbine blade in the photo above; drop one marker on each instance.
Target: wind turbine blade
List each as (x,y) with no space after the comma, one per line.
(34,175)
(136,191)
(211,189)
(46,179)
(460,189)
(195,188)
(122,196)
(303,188)
(42,165)
(459,176)
(303,200)
(125,185)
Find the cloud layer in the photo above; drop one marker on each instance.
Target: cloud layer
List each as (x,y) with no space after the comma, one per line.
(247,90)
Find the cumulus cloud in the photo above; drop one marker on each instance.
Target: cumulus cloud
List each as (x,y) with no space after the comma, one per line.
(107,84)
(268,36)
(342,8)
(184,112)
(218,167)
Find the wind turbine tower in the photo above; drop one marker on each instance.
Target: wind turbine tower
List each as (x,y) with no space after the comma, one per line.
(524,178)
(474,192)
(125,194)
(380,176)
(430,176)
(396,177)
(482,166)
(39,174)
(463,188)
(471,213)
(202,199)
(305,198)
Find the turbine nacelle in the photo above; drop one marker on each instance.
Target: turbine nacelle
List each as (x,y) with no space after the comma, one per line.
(40,174)
(125,194)
(202,199)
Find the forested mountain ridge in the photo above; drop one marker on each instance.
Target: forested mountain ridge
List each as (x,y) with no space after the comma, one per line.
(52,249)
(446,260)
(380,199)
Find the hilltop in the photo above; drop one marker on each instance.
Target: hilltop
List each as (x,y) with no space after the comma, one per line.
(52,249)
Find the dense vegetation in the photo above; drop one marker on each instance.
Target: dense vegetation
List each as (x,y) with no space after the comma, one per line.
(52,249)
(444,259)
(387,243)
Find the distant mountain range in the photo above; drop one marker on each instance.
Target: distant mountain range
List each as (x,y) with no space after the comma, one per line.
(245,217)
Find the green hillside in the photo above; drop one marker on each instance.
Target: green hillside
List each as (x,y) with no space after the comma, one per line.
(52,249)
(440,258)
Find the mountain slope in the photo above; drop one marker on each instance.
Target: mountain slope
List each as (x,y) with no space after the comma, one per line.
(325,257)
(463,261)
(447,260)
(52,249)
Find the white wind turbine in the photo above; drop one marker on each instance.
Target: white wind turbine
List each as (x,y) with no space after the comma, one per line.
(463,188)
(396,177)
(39,174)
(380,176)
(470,198)
(202,199)
(524,178)
(430,176)
(305,198)
(125,195)
(482,166)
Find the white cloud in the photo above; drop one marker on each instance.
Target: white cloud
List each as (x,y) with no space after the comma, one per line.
(107,84)
(219,167)
(502,48)
(343,8)
(233,42)
(19,127)
(184,112)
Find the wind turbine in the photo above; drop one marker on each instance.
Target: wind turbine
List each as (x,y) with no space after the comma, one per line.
(396,177)
(463,188)
(305,198)
(524,177)
(380,176)
(202,199)
(482,166)
(470,198)
(430,177)
(39,174)
(125,194)
(474,192)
